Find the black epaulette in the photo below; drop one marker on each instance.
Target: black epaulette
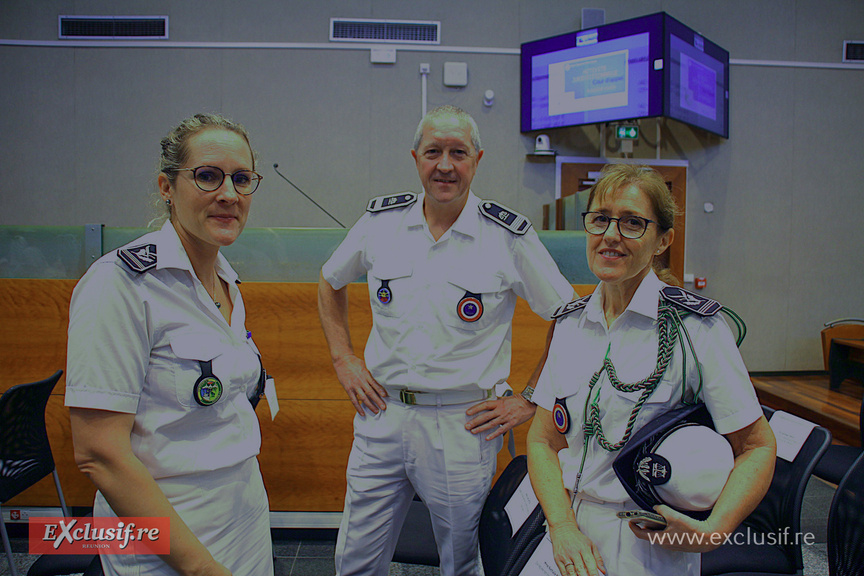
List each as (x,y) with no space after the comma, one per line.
(513,221)
(691,302)
(139,258)
(391,201)
(577,304)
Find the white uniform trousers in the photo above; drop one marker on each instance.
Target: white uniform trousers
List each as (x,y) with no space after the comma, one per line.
(226,509)
(623,553)
(414,448)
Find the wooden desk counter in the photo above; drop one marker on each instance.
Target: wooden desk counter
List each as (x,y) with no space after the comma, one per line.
(304,450)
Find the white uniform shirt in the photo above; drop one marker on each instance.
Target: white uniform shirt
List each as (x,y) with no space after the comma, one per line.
(418,339)
(579,345)
(135,342)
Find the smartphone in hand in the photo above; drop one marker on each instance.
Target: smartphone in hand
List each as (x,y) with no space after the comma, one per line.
(644,519)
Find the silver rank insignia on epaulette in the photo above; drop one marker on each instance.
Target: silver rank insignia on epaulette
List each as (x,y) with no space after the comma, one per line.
(400,200)
(139,258)
(577,304)
(513,221)
(691,302)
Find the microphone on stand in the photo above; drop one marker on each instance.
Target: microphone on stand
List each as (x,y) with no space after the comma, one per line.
(276,168)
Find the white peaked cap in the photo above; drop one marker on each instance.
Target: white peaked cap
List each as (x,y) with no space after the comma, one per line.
(700,461)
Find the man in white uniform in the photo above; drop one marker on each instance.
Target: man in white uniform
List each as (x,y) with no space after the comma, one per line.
(444,269)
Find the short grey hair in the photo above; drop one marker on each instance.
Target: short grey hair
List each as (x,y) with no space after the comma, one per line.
(449,111)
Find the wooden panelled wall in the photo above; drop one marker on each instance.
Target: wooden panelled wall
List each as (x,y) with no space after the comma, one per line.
(304,450)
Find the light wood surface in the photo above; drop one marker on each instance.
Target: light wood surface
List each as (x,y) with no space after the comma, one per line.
(809,396)
(34,319)
(304,451)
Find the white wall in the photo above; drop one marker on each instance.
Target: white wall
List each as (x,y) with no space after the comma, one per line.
(783,248)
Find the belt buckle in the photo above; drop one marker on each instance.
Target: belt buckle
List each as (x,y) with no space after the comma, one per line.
(407,397)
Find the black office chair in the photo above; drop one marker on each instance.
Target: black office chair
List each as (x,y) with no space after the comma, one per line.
(837,460)
(778,513)
(501,547)
(527,544)
(65,564)
(25,454)
(416,544)
(846,524)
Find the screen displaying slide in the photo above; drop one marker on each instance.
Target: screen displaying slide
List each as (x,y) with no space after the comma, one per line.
(588,83)
(696,89)
(593,83)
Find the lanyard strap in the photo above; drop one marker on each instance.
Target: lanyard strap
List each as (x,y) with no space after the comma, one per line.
(672,331)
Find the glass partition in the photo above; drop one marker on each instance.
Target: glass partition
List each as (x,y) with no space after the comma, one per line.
(259,255)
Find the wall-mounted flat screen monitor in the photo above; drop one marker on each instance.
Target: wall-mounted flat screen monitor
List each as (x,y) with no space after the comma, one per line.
(639,68)
(597,75)
(697,84)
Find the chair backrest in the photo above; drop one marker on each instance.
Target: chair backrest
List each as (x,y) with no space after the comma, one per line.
(500,544)
(843,328)
(529,542)
(25,454)
(780,509)
(846,524)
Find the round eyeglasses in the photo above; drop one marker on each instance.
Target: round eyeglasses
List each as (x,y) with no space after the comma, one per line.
(210,178)
(631,227)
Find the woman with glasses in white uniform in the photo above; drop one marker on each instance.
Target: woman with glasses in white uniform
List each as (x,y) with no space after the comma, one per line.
(162,374)
(605,378)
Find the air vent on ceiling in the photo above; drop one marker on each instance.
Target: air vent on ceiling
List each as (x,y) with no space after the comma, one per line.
(853,51)
(113,27)
(401,31)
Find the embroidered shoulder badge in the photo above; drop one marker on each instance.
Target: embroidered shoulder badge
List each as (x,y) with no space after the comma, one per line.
(691,302)
(513,221)
(400,200)
(577,304)
(139,258)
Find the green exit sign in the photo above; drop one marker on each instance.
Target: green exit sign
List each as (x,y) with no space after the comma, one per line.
(627,132)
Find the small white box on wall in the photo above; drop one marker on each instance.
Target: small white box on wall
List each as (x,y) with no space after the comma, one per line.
(456,74)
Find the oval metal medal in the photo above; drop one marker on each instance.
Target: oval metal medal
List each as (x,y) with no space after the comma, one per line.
(470,307)
(385,296)
(561,416)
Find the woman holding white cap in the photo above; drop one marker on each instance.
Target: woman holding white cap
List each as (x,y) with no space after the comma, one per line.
(634,349)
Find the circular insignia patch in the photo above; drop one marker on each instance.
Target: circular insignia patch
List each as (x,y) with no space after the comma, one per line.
(207,390)
(561,416)
(470,309)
